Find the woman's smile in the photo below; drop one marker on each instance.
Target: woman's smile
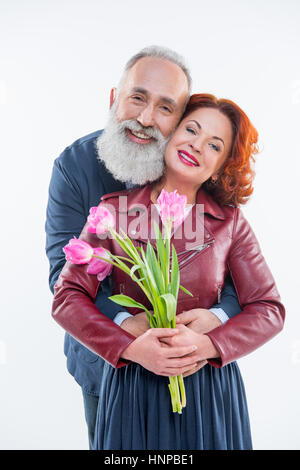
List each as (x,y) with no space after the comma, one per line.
(187,158)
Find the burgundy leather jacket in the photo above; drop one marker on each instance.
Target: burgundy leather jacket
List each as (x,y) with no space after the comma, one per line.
(229,246)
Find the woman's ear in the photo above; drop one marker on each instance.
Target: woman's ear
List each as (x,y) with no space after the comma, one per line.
(112,96)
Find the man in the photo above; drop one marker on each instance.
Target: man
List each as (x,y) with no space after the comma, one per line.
(145,110)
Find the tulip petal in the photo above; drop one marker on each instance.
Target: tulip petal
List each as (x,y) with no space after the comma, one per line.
(99,266)
(172,207)
(78,251)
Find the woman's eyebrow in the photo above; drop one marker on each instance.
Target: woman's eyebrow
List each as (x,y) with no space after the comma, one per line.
(199,127)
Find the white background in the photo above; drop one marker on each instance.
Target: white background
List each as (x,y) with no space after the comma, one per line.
(58,61)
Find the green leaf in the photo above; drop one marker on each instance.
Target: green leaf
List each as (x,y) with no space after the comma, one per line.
(152,320)
(130,246)
(174,274)
(160,313)
(148,273)
(126,244)
(170,302)
(160,246)
(155,268)
(126,259)
(186,291)
(119,264)
(133,269)
(126,301)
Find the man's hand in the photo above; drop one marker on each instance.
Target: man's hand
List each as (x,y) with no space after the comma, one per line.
(159,358)
(136,325)
(199,320)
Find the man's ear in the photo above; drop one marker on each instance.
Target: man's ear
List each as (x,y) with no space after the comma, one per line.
(112,97)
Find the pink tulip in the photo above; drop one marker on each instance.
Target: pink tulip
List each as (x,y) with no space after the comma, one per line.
(100,220)
(99,266)
(78,251)
(172,207)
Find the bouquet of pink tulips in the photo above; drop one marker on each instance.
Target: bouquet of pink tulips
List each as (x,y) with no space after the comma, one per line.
(157,274)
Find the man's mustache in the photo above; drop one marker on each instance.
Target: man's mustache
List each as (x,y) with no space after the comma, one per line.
(135,126)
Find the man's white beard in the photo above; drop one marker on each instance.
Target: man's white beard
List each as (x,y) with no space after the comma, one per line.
(128,161)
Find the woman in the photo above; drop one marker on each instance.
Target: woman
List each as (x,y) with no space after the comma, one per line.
(209,160)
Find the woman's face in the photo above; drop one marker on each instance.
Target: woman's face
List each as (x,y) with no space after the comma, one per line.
(199,146)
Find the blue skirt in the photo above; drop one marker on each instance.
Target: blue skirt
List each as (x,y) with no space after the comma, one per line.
(134,411)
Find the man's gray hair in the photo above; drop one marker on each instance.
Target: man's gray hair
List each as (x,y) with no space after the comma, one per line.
(163,53)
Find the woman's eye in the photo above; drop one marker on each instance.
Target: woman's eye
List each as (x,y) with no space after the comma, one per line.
(190,130)
(215,147)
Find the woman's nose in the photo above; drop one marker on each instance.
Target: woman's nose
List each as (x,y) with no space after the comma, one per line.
(196,144)
(146,116)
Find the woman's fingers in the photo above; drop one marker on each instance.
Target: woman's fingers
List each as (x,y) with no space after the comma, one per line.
(197,367)
(173,371)
(179,351)
(162,332)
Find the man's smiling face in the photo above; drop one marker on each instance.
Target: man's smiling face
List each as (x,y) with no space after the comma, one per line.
(153,92)
(143,115)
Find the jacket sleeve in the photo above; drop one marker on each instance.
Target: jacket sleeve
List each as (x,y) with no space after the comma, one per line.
(65,219)
(73,308)
(65,216)
(263,314)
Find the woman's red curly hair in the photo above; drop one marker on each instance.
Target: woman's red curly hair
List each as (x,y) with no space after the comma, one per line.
(235,181)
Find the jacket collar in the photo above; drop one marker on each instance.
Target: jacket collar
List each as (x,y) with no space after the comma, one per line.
(139,197)
(137,202)
(211,207)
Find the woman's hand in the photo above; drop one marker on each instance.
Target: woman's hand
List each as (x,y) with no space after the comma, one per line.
(151,351)
(198,320)
(205,348)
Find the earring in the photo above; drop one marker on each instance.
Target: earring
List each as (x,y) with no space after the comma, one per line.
(213,180)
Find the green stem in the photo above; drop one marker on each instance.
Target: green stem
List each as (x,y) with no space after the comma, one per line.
(178,401)
(167,240)
(182,390)
(126,270)
(174,407)
(175,396)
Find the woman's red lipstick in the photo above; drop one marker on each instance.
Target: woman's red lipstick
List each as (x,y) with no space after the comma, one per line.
(187,158)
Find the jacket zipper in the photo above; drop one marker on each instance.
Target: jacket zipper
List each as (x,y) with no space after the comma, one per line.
(197,250)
